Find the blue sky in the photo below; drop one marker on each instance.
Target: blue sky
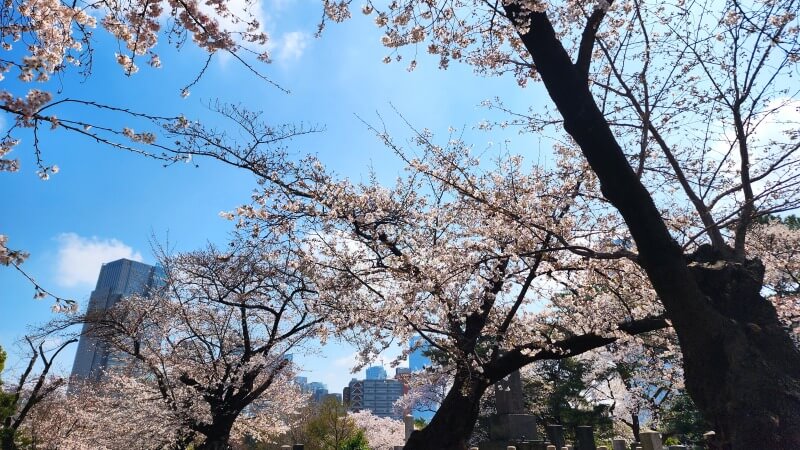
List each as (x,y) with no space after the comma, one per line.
(105,204)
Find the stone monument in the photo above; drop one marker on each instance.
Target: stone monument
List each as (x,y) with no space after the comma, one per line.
(511,425)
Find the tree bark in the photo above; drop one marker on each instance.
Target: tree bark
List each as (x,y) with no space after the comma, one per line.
(453,423)
(217,434)
(740,366)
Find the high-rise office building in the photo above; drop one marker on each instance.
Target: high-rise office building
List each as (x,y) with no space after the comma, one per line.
(376,373)
(315,386)
(117,280)
(377,396)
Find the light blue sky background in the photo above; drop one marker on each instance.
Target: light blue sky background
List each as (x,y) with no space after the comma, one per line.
(105,203)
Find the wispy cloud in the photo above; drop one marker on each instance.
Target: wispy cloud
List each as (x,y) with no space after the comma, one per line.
(290,47)
(347,361)
(80,258)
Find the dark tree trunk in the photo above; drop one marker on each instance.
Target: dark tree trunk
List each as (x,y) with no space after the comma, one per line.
(748,383)
(453,423)
(741,368)
(217,434)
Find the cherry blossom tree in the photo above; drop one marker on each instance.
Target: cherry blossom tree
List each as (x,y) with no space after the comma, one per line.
(36,384)
(382,433)
(210,349)
(124,411)
(778,245)
(685,104)
(468,259)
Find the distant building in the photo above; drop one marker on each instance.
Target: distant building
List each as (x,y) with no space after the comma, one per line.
(376,373)
(302,382)
(346,394)
(417,361)
(320,395)
(117,280)
(376,395)
(315,386)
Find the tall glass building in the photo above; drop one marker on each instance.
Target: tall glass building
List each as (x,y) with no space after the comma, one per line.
(118,279)
(376,373)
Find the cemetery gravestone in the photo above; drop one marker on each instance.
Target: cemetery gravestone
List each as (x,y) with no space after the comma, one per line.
(651,440)
(618,444)
(585,438)
(555,434)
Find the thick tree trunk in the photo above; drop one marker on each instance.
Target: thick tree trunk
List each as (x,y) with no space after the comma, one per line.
(454,421)
(747,385)
(217,434)
(741,367)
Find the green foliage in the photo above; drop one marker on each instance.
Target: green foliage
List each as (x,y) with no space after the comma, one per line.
(682,421)
(7,403)
(559,398)
(329,428)
(791,221)
(356,442)
(420,423)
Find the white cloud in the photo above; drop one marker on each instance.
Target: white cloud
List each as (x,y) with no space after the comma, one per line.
(80,258)
(290,46)
(347,361)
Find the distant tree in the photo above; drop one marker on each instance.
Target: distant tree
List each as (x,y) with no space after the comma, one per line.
(560,393)
(382,433)
(357,442)
(682,421)
(35,386)
(209,349)
(331,429)
(792,221)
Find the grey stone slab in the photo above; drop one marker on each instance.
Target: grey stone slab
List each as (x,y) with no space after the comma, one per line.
(651,440)
(408,421)
(555,434)
(619,444)
(512,427)
(508,395)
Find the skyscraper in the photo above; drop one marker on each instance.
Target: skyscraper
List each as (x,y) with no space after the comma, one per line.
(376,373)
(118,279)
(376,395)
